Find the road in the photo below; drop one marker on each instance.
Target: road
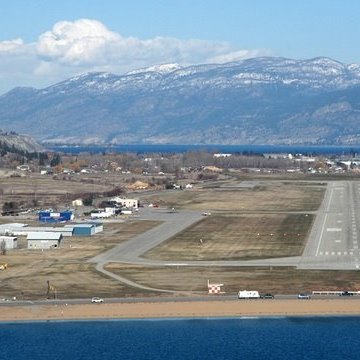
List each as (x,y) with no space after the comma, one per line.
(157,299)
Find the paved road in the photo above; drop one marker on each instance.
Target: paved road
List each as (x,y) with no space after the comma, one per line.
(131,250)
(157,299)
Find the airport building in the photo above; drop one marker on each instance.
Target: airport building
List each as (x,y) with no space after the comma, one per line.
(51,216)
(43,240)
(86,229)
(10,242)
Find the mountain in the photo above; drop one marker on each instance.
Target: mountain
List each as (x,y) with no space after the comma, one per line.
(256,101)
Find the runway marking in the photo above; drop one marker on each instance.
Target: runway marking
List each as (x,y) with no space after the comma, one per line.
(351,253)
(338,241)
(321,235)
(333,229)
(339,221)
(345,253)
(326,253)
(333,253)
(339,253)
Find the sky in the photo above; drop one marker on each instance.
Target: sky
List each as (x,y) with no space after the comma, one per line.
(43,42)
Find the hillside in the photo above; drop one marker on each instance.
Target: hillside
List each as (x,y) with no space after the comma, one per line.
(256,101)
(13,142)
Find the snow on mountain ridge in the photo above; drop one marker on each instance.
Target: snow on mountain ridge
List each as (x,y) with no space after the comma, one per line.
(318,73)
(162,69)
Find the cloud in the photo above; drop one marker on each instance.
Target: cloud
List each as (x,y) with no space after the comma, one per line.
(9,46)
(238,55)
(73,47)
(73,43)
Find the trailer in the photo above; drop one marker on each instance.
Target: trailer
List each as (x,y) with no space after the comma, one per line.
(246,294)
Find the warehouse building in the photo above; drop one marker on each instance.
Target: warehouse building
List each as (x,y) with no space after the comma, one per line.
(64,231)
(10,228)
(86,229)
(43,240)
(51,216)
(10,242)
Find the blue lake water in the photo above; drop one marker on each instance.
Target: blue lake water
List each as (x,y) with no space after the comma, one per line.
(258,149)
(249,338)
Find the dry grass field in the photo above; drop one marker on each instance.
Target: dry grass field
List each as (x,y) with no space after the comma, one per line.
(266,197)
(276,280)
(43,190)
(66,267)
(242,237)
(268,220)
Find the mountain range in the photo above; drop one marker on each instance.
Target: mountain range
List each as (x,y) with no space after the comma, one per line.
(266,100)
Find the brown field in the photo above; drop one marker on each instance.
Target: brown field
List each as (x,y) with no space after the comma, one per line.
(242,237)
(66,268)
(276,280)
(43,190)
(267,197)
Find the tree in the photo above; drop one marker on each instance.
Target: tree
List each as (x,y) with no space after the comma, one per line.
(55,161)
(3,247)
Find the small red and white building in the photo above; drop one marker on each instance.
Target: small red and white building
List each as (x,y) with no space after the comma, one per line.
(215,288)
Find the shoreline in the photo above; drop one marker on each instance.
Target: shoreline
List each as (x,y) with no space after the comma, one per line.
(181,310)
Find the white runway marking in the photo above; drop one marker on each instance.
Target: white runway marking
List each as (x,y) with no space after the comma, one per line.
(333,229)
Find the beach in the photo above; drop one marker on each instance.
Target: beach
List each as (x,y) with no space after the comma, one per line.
(183,309)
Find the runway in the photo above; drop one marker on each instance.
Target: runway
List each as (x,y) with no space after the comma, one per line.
(333,241)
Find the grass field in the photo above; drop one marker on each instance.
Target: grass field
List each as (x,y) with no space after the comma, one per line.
(43,190)
(242,237)
(277,280)
(266,197)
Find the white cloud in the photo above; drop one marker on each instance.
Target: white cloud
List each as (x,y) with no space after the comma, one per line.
(72,47)
(238,55)
(79,42)
(8,46)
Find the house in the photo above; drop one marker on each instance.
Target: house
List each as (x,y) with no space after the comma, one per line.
(77,202)
(128,203)
(44,240)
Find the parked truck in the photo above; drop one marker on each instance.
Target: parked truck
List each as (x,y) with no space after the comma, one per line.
(245,294)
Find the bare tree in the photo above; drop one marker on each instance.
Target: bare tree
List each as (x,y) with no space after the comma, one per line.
(3,247)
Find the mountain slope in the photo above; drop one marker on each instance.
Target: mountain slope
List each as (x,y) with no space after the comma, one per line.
(259,101)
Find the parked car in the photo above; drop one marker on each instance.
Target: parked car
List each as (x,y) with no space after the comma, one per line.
(96,299)
(267,296)
(346,293)
(304,296)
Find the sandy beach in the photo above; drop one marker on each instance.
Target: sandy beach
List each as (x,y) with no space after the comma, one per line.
(192,309)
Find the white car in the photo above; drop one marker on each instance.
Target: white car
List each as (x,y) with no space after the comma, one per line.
(304,296)
(97,300)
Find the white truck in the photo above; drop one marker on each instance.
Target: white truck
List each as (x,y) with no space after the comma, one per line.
(245,294)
